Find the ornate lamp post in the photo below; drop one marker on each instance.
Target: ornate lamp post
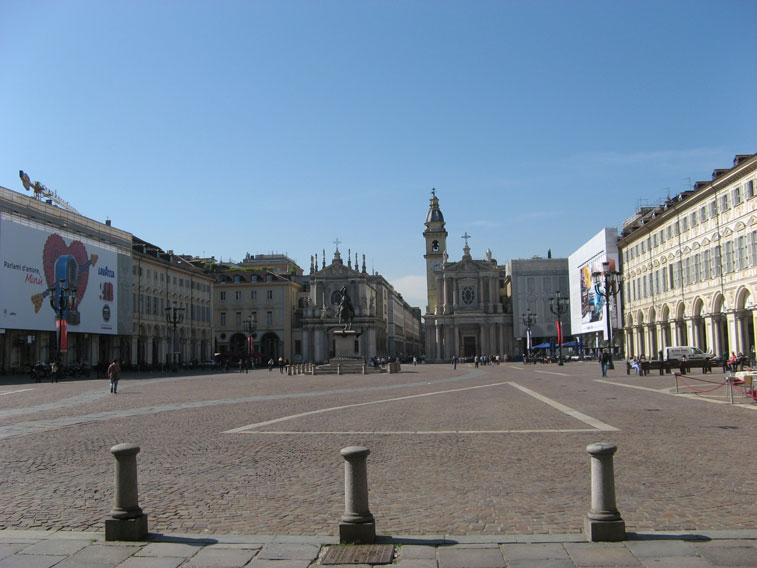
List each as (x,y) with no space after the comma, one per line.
(528,320)
(61,299)
(174,316)
(607,286)
(559,306)
(250,325)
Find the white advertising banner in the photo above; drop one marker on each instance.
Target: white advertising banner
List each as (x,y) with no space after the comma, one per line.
(588,309)
(35,258)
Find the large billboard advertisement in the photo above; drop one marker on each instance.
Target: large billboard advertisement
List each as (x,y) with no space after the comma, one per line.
(39,265)
(588,300)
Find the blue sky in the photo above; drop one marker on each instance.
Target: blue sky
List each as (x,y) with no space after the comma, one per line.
(220,128)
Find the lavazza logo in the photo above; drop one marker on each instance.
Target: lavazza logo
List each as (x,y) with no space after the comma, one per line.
(105,271)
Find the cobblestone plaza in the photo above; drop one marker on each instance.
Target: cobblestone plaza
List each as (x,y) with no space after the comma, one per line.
(495,450)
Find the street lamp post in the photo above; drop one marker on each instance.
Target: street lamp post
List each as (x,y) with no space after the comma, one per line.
(249,326)
(62,298)
(174,316)
(559,306)
(529,319)
(607,286)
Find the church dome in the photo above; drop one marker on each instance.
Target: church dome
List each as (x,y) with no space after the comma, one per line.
(434,215)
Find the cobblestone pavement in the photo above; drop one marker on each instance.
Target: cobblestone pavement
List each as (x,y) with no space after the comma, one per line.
(492,451)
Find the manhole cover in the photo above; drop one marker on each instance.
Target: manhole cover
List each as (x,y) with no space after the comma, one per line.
(728,427)
(359,554)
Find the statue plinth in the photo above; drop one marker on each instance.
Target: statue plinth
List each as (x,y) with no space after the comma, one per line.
(346,344)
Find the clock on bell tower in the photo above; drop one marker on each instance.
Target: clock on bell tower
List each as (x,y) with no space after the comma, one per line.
(436,244)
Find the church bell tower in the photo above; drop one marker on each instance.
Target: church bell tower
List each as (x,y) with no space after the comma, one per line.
(436,245)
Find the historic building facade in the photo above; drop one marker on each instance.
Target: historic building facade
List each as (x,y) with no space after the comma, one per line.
(466,314)
(163,281)
(690,267)
(386,326)
(533,285)
(269,299)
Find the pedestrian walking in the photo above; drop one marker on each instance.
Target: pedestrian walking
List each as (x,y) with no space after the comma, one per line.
(114,375)
(604,359)
(54,372)
(454,362)
(281,365)
(270,364)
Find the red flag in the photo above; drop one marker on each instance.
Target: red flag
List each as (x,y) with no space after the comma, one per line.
(559,332)
(63,331)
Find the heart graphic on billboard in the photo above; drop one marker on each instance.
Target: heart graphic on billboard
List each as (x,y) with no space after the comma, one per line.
(64,262)
(55,248)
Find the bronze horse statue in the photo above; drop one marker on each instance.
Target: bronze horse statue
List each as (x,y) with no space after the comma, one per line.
(345,312)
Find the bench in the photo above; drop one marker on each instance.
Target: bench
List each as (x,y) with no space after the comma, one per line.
(668,366)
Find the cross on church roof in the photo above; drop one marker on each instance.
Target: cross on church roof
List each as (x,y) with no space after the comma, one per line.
(337,242)
(466,236)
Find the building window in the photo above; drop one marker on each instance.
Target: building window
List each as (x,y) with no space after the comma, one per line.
(298,347)
(754,248)
(662,236)
(237,295)
(654,240)
(697,276)
(716,261)
(223,318)
(729,257)
(664,280)
(724,202)
(269,294)
(269,318)
(236,279)
(222,296)
(238,318)
(253,294)
(749,189)
(736,195)
(685,224)
(713,208)
(741,253)
(702,214)
(468,295)
(694,220)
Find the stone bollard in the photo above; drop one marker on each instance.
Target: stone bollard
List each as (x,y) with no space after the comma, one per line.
(128,522)
(357,525)
(289,370)
(603,522)
(338,368)
(363,368)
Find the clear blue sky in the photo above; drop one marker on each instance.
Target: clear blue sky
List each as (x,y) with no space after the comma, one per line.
(220,128)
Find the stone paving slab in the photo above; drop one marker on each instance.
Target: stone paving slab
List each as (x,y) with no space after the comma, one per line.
(702,550)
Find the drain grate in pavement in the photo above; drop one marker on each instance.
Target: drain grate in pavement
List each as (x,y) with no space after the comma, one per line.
(359,554)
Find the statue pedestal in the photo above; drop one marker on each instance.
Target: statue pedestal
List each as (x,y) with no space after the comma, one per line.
(346,344)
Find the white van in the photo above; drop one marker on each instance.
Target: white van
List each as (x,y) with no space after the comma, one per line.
(685,351)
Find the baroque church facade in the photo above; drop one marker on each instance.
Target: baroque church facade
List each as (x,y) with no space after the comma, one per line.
(467,311)
(383,322)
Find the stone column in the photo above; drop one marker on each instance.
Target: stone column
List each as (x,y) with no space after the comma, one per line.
(128,522)
(357,525)
(603,522)
(733,342)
